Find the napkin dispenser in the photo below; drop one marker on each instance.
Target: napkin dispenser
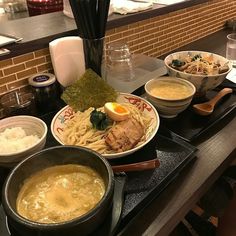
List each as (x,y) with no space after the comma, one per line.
(67,56)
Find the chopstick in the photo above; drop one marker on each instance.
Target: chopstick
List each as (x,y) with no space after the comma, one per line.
(91,17)
(75,9)
(103,9)
(85,21)
(90,14)
(139,166)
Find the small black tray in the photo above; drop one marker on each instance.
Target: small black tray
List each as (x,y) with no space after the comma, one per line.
(173,152)
(191,126)
(141,187)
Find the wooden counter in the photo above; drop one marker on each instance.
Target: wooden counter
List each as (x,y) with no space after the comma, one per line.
(216,152)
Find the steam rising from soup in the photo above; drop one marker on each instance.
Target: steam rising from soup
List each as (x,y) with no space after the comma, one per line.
(60,193)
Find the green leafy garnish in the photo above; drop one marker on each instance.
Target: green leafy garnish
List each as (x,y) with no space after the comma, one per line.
(90,90)
(99,120)
(196,57)
(177,63)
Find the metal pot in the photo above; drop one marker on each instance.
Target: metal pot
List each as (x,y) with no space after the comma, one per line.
(59,155)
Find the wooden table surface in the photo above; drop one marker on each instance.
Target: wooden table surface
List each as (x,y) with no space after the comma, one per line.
(216,151)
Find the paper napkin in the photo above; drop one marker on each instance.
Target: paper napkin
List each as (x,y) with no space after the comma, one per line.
(232,75)
(167,2)
(126,6)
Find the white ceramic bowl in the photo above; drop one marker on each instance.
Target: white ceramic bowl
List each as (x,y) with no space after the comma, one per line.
(169,107)
(203,83)
(32,126)
(58,122)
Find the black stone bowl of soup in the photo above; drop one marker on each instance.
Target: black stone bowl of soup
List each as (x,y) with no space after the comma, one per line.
(63,190)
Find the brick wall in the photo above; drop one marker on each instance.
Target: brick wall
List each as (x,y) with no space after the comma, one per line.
(154,37)
(14,72)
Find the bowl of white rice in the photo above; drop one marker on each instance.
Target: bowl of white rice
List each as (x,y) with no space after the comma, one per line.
(20,136)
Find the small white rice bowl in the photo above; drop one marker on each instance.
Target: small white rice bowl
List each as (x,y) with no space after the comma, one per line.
(15,139)
(20,136)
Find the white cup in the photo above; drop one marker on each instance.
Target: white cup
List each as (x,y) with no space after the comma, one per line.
(231,48)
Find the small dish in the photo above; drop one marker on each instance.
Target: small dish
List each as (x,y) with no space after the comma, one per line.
(167,99)
(32,126)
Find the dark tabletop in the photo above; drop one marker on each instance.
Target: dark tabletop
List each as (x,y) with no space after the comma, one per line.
(216,151)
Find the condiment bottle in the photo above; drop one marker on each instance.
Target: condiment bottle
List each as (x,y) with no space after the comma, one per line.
(45,90)
(18,103)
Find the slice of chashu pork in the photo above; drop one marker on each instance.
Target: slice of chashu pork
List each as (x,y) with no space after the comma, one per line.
(124,135)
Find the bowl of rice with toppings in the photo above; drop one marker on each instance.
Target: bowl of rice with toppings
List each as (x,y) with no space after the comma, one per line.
(20,136)
(205,70)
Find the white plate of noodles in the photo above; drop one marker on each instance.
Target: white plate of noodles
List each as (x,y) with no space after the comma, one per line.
(74,128)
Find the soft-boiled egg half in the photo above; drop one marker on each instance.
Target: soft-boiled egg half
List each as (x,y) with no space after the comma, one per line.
(116,111)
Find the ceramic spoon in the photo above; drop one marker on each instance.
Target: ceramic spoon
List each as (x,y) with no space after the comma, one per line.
(207,108)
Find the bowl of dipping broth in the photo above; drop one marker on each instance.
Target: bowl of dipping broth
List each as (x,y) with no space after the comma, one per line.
(170,95)
(62,190)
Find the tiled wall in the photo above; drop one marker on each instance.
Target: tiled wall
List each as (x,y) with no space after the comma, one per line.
(154,37)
